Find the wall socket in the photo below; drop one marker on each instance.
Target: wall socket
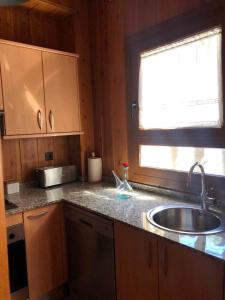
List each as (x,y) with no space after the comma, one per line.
(48,156)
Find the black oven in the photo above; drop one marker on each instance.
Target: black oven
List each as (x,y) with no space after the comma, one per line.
(17,263)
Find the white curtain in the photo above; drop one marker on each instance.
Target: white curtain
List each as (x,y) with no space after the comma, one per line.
(180,84)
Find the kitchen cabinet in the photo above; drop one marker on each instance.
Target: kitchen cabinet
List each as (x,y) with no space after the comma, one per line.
(14,219)
(61,92)
(4,268)
(45,248)
(150,267)
(136,263)
(40,91)
(1,97)
(185,274)
(23,90)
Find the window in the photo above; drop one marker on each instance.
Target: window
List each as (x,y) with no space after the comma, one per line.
(180,83)
(181,158)
(175,73)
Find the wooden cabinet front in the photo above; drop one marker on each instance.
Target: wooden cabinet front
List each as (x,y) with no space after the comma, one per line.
(136,264)
(61,92)
(185,274)
(45,244)
(1,95)
(23,92)
(4,269)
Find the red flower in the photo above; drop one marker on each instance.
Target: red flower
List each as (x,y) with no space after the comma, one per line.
(125,164)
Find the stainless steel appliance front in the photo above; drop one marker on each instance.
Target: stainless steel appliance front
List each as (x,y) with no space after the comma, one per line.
(51,176)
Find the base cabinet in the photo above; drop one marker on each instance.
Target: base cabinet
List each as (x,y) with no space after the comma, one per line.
(150,267)
(136,263)
(46,261)
(185,274)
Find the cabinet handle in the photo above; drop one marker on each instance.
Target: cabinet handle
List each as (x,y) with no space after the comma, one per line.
(165,261)
(39,119)
(51,120)
(43,213)
(150,254)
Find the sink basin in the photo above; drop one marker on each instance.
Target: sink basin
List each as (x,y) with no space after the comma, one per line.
(186,219)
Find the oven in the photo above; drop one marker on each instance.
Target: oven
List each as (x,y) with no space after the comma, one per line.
(17,263)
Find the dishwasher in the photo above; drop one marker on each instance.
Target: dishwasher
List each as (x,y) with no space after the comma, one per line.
(90,247)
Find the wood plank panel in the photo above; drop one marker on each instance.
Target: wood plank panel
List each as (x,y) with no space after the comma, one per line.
(109,83)
(11,160)
(29,159)
(170,8)
(82,46)
(50,7)
(61,151)
(45,145)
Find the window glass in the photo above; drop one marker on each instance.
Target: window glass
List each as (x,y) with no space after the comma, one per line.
(180,84)
(182,158)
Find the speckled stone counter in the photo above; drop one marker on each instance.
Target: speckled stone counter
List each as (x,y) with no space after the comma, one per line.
(101,199)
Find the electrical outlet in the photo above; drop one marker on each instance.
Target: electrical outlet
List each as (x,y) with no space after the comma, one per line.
(48,156)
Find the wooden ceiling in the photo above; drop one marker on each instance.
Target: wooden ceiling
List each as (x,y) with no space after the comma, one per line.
(56,7)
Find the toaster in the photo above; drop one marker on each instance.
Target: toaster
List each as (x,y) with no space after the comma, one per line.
(50,176)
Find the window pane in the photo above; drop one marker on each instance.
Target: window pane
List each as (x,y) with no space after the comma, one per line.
(180,84)
(182,158)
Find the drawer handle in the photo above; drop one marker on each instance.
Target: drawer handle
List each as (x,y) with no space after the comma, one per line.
(51,120)
(86,223)
(43,213)
(165,262)
(39,119)
(150,254)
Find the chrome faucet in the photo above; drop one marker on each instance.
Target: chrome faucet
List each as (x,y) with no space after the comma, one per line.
(203,192)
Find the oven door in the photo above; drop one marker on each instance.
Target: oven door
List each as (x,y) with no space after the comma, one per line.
(17,263)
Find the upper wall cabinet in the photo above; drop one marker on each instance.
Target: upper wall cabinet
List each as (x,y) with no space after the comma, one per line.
(23,91)
(61,92)
(40,91)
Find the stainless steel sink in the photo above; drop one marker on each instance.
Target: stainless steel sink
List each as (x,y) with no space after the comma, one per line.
(186,219)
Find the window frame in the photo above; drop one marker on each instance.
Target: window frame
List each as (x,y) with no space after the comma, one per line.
(180,27)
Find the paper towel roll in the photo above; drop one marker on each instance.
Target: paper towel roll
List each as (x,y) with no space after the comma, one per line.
(94,169)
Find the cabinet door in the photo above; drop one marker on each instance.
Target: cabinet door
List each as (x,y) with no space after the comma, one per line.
(1,95)
(23,92)
(4,271)
(45,249)
(185,274)
(61,92)
(136,264)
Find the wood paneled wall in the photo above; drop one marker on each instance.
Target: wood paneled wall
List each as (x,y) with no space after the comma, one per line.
(112,21)
(21,157)
(108,71)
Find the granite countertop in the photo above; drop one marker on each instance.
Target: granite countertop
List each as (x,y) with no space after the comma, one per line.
(101,198)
